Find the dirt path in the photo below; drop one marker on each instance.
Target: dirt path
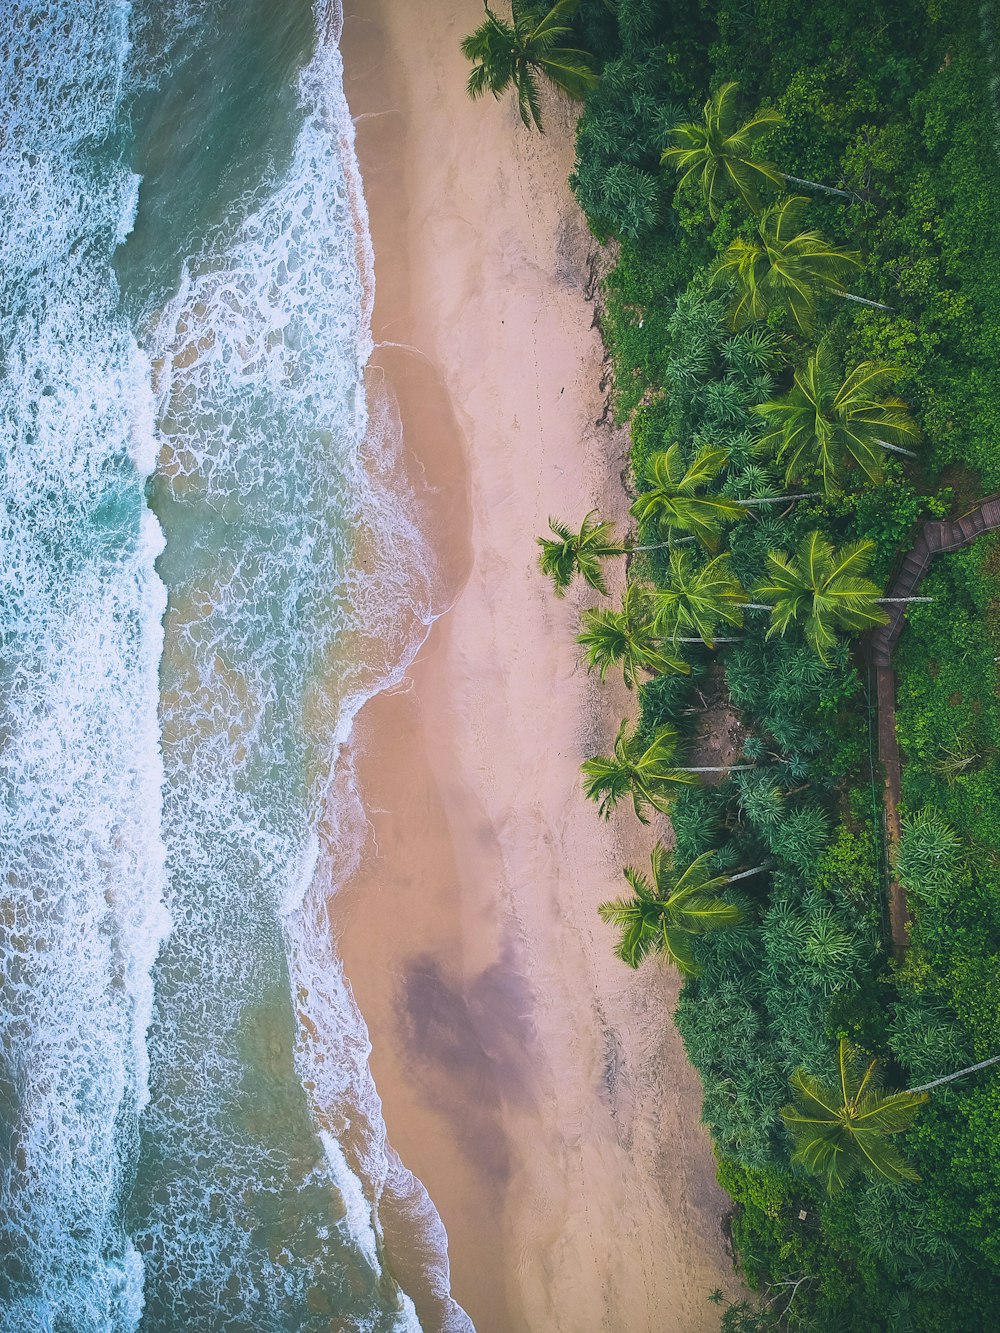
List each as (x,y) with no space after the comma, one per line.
(935,537)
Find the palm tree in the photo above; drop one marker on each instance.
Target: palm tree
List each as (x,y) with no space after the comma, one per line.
(699,597)
(627,636)
(578,553)
(720,152)
(824,423)
(646,773)
(582,552)
(825,588)
(785,268)
(666,913)
(839,1129)
(828,588)
(673,500)
(512,55)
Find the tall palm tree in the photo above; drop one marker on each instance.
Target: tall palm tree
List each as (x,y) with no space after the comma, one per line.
(583,552)
(698,597)
(720,151)
(824,423)
(512,55)
(649,774)
(840,1129)
(825,588)
(578,553)
(674,502)
(664,914)
(627,636)
(785,268)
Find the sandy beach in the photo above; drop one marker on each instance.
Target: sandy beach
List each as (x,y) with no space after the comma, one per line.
(534,1084)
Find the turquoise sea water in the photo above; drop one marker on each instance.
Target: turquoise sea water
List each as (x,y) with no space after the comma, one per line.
(209,558)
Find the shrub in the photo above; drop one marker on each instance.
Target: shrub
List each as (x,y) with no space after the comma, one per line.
(927,856)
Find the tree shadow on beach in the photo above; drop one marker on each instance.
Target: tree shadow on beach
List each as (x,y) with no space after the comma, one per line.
(471,1051)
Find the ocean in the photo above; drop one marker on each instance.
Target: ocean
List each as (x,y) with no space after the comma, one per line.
(210,557)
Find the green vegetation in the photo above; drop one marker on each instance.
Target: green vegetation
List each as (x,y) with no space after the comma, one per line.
(782,268)
(512,55)
(717,152)
(648,773)
(697,597)
(627,637)
(665,913)
(824,426)
(824,588)
(741,365)
(675,500)
(759,338)
(840,1129)
(567,553)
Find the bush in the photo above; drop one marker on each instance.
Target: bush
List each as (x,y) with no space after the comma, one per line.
(619,139)
(928,856)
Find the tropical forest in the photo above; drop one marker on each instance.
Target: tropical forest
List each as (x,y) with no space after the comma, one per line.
(797,209)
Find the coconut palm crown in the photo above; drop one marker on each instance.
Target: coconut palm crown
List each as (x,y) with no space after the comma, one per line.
(826,424)
(569,553)
(697,597)
(719,152)
(664,914)
(824,588)
(783,268)
(673,501)
(627,637)
(512,55)
(647,773)
(839,1129)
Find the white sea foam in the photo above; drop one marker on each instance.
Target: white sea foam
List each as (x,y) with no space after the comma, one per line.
(300,583)
(358,1219)
(81,863)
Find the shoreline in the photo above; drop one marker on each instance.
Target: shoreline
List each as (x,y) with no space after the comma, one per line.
(531,1082)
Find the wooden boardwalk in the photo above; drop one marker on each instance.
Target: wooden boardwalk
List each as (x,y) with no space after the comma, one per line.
(935,537)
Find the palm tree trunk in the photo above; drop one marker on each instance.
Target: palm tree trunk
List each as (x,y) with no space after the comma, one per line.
(755,606)
(738,639)
(660,546)
(815,185)
(950,1078)
(745,874)
(899,601)
(863,300)
(781,499)
(715,768)
(896,448)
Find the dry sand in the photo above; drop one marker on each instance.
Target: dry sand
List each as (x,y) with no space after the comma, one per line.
(533,1083)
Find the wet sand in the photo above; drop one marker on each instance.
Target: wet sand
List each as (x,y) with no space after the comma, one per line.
(533,1084)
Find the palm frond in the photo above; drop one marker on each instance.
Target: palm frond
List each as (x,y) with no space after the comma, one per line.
(667,913)
(510,55)
(839,1129)
(723,152)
